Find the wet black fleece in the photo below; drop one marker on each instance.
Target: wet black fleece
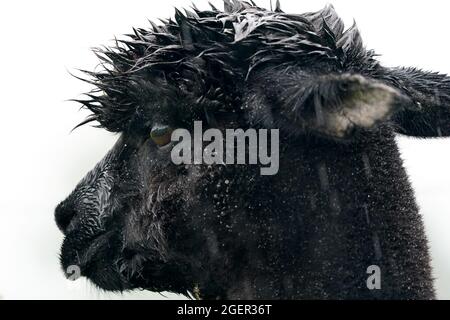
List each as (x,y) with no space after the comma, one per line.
(340,203)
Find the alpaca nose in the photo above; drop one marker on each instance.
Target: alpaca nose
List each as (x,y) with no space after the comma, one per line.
(64,214)
(91,195)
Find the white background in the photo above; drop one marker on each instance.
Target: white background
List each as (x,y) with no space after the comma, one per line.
(41,161)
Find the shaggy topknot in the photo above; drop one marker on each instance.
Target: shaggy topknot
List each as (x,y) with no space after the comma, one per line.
(186,60)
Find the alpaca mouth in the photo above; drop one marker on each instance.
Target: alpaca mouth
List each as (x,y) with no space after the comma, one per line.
(95,258)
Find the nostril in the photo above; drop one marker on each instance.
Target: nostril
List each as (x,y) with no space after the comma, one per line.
(64,213)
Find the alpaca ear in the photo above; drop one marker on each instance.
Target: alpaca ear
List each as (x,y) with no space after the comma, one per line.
(428,114)
(340,105)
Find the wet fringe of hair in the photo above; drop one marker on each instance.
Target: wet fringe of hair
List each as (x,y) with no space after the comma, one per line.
(186,60)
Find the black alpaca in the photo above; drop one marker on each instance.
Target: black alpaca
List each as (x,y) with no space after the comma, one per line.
(340,203)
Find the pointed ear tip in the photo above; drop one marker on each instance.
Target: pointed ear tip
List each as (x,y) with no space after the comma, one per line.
(393,95)
(364,84)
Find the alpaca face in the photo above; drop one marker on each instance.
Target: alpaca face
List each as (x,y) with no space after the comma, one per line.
(137,220)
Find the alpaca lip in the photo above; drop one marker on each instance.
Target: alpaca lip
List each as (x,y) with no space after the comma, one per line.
(82,255)
(94,259)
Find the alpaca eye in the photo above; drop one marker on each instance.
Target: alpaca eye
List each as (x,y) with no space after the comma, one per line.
(161,135)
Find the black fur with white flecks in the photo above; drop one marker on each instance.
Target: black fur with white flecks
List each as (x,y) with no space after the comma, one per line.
(340,202)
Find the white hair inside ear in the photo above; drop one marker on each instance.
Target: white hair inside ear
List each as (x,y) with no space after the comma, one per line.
(364,107)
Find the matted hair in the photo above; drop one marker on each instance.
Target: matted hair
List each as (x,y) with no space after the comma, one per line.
(197,59)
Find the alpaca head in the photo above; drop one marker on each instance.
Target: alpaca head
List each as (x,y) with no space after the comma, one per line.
(137,220)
